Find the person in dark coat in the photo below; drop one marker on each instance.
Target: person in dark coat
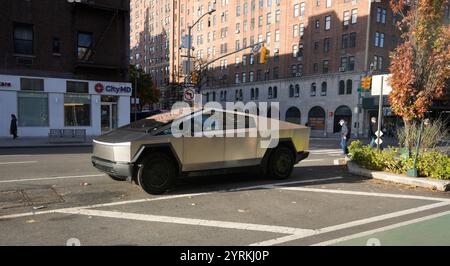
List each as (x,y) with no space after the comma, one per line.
(13,127)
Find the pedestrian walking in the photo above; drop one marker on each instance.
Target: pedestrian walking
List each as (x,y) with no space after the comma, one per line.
(13,127)
(373,127)
(344,136)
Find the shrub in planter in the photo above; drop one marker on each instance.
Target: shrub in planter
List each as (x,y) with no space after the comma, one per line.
(432,163)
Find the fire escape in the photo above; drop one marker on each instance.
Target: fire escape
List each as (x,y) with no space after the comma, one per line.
(87,62)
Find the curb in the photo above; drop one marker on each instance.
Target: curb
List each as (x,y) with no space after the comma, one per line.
(44,146)
(434,184)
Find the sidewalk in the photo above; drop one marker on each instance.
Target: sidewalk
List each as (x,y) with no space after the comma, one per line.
(40,142)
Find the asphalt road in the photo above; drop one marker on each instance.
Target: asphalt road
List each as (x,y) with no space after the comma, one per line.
(53,196)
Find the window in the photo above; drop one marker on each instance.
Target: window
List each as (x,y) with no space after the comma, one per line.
(23,39)
(275,73)
(302,9)
(236,78)
(302,30)
(326,45)
(244,60)
(296,10)
(77,110)
(268,34)
(353,40)
(382,40)
(377,39)
(294,50)
(56,46)
(291,91)
(316,45)
(238,11)
(346,18)
(341,87)
(269,18)
(295,30)
(260,21)
(328,3)
(380,63)
(277,35)
(77,87)
(327,22)
(345,41)
(237,45)
(294,70)
(252,94)
(84,45)
(354,16)
(383,16)
(252,59)
(244,77)
(251,76)
(269,93)
(317,24)
(344,63)
(315,67)
(323,90)
(32,109)
(325,65)
(313,90)
(349,86)
(27,84)
(351,63)
(275,92)
(236,63)
(277,15)
(297,90)
(256,93)
(300,69)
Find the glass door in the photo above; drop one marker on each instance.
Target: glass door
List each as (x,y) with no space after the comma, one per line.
(106,116)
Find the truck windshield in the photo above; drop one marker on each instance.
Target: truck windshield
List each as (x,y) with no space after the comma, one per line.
(146,124)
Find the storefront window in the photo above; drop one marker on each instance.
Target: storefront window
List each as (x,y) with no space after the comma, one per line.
(77,110)
(32,109)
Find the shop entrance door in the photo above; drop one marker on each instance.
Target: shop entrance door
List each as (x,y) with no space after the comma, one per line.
(108,116)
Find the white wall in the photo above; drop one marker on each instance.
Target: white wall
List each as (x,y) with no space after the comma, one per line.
(8,106)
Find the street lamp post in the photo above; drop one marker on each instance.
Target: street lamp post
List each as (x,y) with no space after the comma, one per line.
(135,92)
(188,67)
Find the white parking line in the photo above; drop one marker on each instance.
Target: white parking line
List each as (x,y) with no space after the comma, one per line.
(49,178)
(190,221)
(381,229)
(23,162)
(333,228)
(11,216)
(362,193)
(312,160)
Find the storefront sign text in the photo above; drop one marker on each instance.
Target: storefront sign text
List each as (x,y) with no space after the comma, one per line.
(5,84)
(99,88)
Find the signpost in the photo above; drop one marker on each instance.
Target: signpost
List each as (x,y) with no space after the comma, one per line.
(380,87)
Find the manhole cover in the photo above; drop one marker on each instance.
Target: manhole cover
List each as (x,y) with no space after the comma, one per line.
(29,197)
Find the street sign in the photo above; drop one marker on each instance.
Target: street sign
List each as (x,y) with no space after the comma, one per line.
(378,81)
(378,141)
(189,94)
(379,133)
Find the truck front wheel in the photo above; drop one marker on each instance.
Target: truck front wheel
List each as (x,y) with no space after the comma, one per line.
(157,174)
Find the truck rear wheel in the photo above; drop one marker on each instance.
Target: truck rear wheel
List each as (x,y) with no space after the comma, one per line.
(281,163)
(157,174)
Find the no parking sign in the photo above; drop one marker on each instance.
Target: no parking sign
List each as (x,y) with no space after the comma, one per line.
(189,94)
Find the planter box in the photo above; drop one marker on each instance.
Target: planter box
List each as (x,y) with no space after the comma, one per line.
(435,184)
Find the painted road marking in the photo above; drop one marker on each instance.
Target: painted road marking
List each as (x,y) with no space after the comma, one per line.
(11,216)
(381,229)
(313,160)
(23,162)
(50,178)
(191,221)
(347,225)
(362,193)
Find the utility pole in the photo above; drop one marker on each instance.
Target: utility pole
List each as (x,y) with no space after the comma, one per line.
(135,92)
(380,109)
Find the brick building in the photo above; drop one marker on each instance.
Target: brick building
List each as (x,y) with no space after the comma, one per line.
(319,50)
(64,65)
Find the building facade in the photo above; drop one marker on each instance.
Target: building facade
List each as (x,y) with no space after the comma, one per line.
(319,50)
(65,65)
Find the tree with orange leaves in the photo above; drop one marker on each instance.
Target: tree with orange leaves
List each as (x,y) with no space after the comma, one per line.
(420,65)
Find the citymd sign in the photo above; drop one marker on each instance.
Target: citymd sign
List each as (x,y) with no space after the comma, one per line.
(100,88)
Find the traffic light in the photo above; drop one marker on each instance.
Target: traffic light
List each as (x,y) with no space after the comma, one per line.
(366,83)
(194,77)
(263,55)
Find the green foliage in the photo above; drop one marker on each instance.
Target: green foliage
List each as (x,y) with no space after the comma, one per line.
(146,89)
(432,163)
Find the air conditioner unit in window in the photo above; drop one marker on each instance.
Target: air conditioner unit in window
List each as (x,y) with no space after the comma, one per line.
(298,74)
(341,69)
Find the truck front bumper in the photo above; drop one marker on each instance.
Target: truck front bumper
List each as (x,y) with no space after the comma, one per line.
(117,169)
